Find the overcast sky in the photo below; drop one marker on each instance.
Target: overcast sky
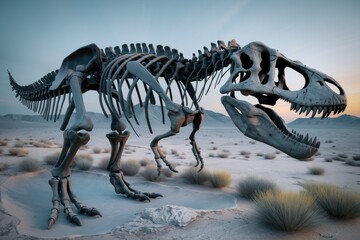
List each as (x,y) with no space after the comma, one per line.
(36,35)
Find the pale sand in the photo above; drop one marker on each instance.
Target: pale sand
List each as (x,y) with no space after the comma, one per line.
(25,208)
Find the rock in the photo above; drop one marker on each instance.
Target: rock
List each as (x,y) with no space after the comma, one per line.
(157,219)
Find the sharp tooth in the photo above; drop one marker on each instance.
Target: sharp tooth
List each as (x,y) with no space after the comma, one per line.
(314,142)
(301,138)
(298,106)
(293,106)
(308,109)
(320,109)
(317,144)
(303,108)
(314,112)
(306,138)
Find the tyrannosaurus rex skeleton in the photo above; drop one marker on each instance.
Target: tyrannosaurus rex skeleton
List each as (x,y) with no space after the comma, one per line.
(119,74)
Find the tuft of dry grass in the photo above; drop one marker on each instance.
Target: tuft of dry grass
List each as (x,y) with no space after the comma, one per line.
(287,211)
(52,159)
(245,153)
(193,176)
(130,167)
(3,142)
(19,152)
(83,161)
(355,161)
(107,149)
(223,155)
(150,173)
(316,170)
(29,165)
(19,144)
(250,187)
(144,162)
(83,164)
(167,172)
(220,179)
(104,162)
(96,150)
(269,156)
(338,203)
(3,166)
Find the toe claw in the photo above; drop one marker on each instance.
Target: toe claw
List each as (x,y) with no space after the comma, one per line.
(75,219)
(95,212)
(51,223)
(153,195)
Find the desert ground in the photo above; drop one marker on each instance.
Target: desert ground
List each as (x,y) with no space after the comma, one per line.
(204,212)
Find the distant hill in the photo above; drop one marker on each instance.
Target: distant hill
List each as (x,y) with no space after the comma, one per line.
(343,121)
(19,120)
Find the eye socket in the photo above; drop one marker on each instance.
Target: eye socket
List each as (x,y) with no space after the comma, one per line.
(246,62)
(293,80)
(331,84)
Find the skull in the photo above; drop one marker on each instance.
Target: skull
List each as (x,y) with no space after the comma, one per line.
(253,71)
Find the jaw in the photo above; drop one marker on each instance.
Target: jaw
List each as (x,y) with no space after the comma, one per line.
(264,125)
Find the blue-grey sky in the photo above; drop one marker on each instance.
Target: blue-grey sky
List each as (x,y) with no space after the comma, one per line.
(36,35)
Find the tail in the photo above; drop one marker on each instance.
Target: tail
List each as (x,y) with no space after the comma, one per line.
(39,98)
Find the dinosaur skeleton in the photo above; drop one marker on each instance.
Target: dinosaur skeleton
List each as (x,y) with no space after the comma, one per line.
(119,74)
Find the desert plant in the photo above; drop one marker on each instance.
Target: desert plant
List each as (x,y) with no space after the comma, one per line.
(328,159)
(1,150)
(250,187)
(3,142)
(29,165)
(269,156)
(338,203)
(245,153)
(19,152)
(19,144)
(3,166)
(107,150)
(96,150)
(130,167)
(220,179)
(150,173)
(223,155)
(144,162)
(83,164)
(287,211)
(259,154)
(316,170)
(352,162)
(103,163)
(193,176)
(52,159)
(211,155)
(356,157)
(167,172)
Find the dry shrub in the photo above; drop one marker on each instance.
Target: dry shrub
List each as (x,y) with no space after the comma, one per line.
(338,203)
(104,162)
(144,162)
(130,167)
(19,152)
(223,155)
(52,159)
(83,161)
(150,173)
(250,187)
(3,166)
(29,165)
(220,179)
(96,150)
(259,154)
(355,161)
(174,152)
(269,156)
(245,153)
(193,176)
(328,159)
(19,144)
(3,142)
(316,170)
(167,172)
(211,155)
(287,211)
(83,164)
(1,150)
(107,149)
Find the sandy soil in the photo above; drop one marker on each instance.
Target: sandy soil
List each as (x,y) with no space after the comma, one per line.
(221,214)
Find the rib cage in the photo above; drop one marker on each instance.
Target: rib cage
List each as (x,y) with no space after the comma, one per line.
(116,85)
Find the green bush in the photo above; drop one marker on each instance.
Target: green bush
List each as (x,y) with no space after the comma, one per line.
(338,203)
(251,186)
(287,211)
